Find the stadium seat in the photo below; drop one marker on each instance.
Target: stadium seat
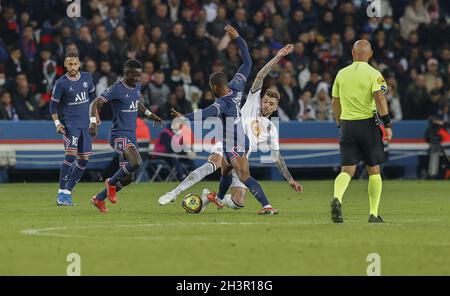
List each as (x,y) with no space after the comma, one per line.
(158,169)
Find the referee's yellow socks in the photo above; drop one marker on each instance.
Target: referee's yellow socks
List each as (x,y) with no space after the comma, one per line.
(340,185)
(375,186)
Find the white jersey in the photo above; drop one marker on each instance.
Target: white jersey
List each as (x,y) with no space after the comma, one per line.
(261,132)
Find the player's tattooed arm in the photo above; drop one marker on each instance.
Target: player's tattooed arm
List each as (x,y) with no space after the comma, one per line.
(282,167)
(258,83)
(152,116)
(60,128)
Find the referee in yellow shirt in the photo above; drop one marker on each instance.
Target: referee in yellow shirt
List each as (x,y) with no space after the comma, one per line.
(358,94)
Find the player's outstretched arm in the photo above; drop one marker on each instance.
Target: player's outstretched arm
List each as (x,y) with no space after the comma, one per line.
(93,118)
(149,114)
(247,59)
(282,167)
(211,111)
(258,83)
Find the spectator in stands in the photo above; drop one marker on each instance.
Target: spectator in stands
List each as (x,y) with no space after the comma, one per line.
(156,35)
(107,77)
(177,42)
(120,41)
(166,58)
(185,73)
(215,28)
(415,15)
(174,9)
(15,64)
(432,75)
(393,98)
(104,53)
(415,99)
(28,43)
(184,106)
(207,99)
(158,91)
(306,109)
(113,20)
(7,110)
(22,98)
(164,111)
(321,103)
(288,95)
(91,66)
(85,42)
(139,39)
(161,19)
(44,74)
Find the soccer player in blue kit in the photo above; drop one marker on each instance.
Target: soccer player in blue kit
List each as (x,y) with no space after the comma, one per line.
(124,97)
(228,106)
(71,96)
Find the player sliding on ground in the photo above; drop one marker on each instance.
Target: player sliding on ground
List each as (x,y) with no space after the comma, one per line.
(71,96)
(235,143)
(124,97)
(261,132)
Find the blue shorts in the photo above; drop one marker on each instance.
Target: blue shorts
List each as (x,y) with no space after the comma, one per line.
(120,144)
(236,151)
(78,140)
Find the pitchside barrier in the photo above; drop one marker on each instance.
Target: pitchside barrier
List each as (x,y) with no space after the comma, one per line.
(34,145)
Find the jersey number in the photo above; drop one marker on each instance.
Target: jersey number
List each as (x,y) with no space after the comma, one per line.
(74,141)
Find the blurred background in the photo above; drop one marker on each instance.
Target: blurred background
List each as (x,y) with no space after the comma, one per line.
(181,42)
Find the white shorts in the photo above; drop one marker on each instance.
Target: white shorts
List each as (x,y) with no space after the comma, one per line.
(236,182)
(217,149)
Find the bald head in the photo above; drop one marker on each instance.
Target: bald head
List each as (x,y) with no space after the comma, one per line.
(362,51)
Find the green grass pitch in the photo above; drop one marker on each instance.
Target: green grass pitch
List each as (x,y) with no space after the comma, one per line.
(140,237)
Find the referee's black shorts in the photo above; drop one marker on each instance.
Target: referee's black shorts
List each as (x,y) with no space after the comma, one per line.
(361,140)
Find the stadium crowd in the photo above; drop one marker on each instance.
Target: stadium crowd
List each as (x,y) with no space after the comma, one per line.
(181,42)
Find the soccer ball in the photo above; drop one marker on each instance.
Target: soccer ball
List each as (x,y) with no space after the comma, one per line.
(192,203)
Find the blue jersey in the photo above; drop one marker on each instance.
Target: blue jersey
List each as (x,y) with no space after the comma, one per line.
(74,96)
(227,108)
(124,104)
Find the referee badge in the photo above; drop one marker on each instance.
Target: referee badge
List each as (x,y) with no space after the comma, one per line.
(382,82)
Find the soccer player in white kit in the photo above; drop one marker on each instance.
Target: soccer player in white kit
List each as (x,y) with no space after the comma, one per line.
(260,131)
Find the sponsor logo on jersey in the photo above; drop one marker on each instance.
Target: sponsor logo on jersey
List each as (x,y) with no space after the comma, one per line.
(80,98)
(133,106)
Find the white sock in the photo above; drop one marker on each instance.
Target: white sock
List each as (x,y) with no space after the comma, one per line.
(65,191)
(267,207)
(194,177)
(60,190)
(228,201)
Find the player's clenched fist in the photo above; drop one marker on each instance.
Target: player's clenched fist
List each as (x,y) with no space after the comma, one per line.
(93,129)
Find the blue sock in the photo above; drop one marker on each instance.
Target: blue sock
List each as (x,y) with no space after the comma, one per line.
(257,191)
(102,195)
(225,183)
(65,171)
(122,172)
(76,173)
